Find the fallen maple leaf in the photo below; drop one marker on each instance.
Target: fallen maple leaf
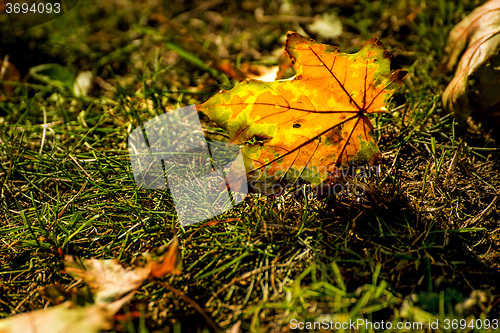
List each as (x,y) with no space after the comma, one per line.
(109,280)
(65,317)
(306,127)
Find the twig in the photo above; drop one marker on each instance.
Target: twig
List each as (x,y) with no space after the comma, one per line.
(211,223)
(44,131)
(452,165)
(203,7)
(247,275)
(192,303)
(78,164)
(482,214)
(71,200)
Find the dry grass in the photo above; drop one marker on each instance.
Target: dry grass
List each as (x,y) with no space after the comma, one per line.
(426,232)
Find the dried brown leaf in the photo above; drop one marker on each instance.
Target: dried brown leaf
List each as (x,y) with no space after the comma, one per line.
(475,86)
(61,318)
(8,72)
(107,279)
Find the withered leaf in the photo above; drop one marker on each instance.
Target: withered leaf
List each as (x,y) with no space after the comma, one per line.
(475,44)
(109,280)
(60,318)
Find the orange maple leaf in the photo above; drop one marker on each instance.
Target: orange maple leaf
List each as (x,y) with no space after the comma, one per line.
(305,128)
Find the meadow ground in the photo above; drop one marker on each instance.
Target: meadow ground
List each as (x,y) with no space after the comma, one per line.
(422,239)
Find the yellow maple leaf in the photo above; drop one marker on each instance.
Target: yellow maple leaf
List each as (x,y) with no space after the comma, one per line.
(305,128)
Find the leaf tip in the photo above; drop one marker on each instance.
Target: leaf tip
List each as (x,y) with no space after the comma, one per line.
(373,41)
(293,37)
(376,43)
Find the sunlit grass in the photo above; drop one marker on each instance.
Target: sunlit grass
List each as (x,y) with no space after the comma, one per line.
(420,240)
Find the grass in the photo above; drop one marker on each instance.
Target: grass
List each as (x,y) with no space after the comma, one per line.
(422,239)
